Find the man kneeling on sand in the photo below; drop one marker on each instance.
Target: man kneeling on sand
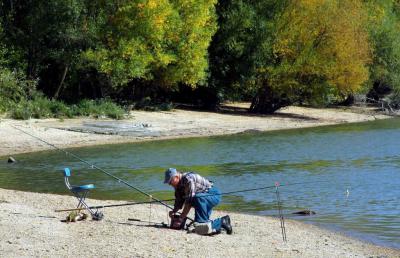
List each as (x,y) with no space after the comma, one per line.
(193,190)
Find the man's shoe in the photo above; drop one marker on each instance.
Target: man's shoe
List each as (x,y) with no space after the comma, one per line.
(226,224)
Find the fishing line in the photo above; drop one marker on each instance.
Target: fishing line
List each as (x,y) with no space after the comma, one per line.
(162,202)
(96,167)
(170,200)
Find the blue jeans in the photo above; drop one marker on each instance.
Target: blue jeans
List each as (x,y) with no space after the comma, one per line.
(203,204)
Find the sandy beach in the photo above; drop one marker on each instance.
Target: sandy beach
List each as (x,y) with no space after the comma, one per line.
(30,227)
(145,126)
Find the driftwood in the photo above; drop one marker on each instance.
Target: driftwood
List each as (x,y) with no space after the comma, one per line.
(385,106)
(304,213)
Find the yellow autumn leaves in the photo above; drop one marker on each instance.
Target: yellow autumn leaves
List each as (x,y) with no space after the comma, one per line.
(160,40)
(326,39)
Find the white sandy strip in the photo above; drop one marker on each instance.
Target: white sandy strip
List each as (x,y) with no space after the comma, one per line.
(172,124)
(30,227)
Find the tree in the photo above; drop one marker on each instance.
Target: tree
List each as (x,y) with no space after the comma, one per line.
(46,34)
(2,47)
(316,55)
(13,86)
(164,41)
(384,28)
(242,43)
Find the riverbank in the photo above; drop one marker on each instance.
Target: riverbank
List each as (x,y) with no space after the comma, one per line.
(30,228)
(144,126)
(34,229)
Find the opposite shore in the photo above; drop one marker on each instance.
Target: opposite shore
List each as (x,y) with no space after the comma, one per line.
(32,228)
(145,126)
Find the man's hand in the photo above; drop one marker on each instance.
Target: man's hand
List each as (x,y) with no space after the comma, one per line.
(186,209)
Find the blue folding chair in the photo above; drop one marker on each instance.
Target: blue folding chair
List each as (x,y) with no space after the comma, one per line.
(81,192)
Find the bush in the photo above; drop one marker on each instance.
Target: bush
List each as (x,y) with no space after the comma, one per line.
(394,99)
(110,109)
(14,88)
(41,107)
(100,108)
(19,97)
(148,105)
(60,110)
(21,111)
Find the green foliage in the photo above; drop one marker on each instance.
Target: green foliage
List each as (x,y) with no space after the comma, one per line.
(384,25)
(45,38)
(42,107)
(60,110)
(3,59)
(99,108)
(149,105)
(242,43)
(274,52)
(20,99)
(164,41)
(39,107)
(284,52)
(394,99)
(14,88)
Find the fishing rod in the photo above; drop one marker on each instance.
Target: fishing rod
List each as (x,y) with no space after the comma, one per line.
(98,168)
(165,200)
(112,205)
(169,200)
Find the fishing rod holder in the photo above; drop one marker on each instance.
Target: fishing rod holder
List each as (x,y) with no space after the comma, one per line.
(280,212)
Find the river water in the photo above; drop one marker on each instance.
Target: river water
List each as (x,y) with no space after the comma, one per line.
(348,174)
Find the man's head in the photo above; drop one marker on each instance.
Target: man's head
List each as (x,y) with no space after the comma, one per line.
(172,177)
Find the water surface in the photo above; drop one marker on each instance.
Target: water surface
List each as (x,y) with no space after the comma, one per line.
(348,174)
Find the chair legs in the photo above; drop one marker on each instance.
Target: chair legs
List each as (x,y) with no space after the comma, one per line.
(81,196)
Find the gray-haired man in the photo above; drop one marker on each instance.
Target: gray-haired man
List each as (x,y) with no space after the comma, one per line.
(193,190)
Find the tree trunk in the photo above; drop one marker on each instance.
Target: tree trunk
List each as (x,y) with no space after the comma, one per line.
(31,67)
(59,88)
(266,101)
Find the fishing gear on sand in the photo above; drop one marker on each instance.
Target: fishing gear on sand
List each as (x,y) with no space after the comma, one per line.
(176,221)
(166,200)
(111,205)
(99,169)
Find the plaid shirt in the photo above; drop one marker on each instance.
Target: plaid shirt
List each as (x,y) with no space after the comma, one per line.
(190,184)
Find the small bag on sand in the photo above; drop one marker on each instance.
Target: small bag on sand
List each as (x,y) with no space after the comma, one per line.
(177,222)
(76,216)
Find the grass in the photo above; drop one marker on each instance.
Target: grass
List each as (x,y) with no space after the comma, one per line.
(41,107)
(20,99)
